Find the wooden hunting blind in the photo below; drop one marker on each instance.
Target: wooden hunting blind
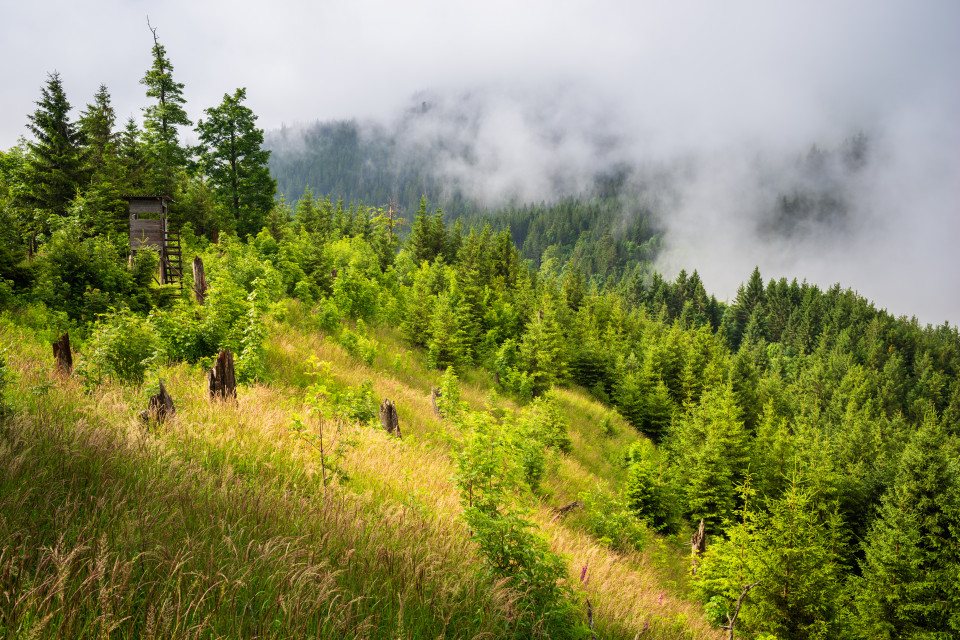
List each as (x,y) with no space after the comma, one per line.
(149,228)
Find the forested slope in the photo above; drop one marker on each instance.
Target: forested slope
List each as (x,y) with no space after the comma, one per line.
(589,416)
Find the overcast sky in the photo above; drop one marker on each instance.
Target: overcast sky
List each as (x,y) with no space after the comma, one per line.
(670,78)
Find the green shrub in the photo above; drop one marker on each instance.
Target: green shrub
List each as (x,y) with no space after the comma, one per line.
(649,494)
(358,345)
(611,520)
(83,277)
(122,346)
(328,316)
(543,420)
(488,475)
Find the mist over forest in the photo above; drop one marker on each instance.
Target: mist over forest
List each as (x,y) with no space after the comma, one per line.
(853,205)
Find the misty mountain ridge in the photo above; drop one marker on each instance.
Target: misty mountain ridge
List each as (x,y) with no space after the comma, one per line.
(486,155)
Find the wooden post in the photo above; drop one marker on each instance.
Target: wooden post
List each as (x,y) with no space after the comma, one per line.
(222,379)
(199,280)
(434,394)
(389,418)
(61,351)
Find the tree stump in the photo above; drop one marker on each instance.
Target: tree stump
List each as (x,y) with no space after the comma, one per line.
(389,418)
(698,544)
(199,281)
(222,379)
(434,394)
(63,355)
(565,509)
(160,407)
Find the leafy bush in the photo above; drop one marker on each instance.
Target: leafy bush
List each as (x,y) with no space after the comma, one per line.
(122,346)
(358,345)
(543,420)
(488,472)
(84,277)
(612,521)
(251,361)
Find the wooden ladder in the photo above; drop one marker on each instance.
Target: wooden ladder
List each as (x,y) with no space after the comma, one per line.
(172,259)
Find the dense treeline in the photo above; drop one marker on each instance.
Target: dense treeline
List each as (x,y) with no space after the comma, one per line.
(815,435)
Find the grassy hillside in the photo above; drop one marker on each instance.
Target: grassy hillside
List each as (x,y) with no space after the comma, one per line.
(217,524)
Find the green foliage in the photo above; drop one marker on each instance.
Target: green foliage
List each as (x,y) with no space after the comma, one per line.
(709,449)
(122,346)
(648,491)
(85,277)
(488,472)
(543,420)
(232,157)
(448,403)
(792,549)
(357,344)
(54,170)
(911,561)
(330,406)
(165,155)
(251,360)
(613,521)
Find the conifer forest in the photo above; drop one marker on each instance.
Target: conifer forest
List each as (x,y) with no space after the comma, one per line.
(340,397)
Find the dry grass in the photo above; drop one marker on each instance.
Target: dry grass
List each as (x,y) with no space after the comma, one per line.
(216,524)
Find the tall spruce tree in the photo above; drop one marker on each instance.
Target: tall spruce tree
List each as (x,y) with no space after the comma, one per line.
(164,152)
(102,206)
(233,158)
(911,565)
(97,126)
(54,168)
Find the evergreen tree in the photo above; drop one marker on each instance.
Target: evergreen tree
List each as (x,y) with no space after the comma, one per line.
(790,552)
(421,242)
(132,158)
(231,154)
(102,206)
(710,448)
(163,150)
(54,168)
(911,565)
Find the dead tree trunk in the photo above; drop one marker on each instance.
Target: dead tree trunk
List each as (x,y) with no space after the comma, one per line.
(434,394)
(222,379)
(199,280)
(160,407)
(63,355)
(389,418)
(732,618)
(698,544)
(593,634)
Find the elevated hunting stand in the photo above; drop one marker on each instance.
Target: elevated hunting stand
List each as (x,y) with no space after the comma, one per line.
(149,228)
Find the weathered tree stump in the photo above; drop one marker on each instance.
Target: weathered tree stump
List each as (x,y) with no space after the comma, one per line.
(222,379)
(389,418)
(698,544)
(63,355)
(160,407)
(199,280)
(434,394)
(565,509)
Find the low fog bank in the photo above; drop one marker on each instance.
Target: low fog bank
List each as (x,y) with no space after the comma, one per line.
(870,204)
